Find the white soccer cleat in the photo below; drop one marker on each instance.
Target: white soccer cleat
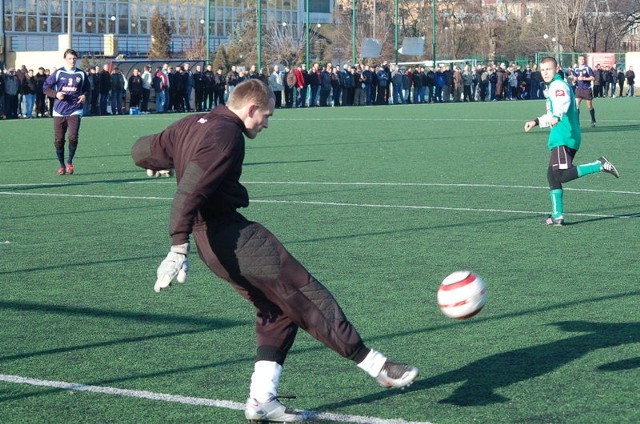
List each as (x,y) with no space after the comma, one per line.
(608,167)
(397,375)
(272,411)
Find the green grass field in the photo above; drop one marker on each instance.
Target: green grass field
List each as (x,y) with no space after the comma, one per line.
(380,203)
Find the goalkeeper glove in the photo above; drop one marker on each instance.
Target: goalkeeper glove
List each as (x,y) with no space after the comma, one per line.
(175,265)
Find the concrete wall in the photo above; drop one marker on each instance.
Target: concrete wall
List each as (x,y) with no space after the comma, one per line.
(33,60)
(633,59)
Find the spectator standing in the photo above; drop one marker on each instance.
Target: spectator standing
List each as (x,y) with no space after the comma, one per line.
(396,82)
(188,86)
(621,78)
(301,85)
(233,78)
(613,78)
(94,84)
(2,96)
(118,90)
(325,87)
(467,81)
(105,89)
(631,80)
(11,90)
(29,86)
(597,81)
(383,82)
(69,86)
(209,87)
(135,89)
(336,85)
(41,107)
(348,86)
(314,85)
(457,84)
(147,79)
(606,81)
(276,84)
(358,86)
(220,88)
(430,84)
(290,81)
(199,88)
(160,83)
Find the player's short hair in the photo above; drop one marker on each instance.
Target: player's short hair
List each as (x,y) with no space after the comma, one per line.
(252,90)
(71,52)
(550,59)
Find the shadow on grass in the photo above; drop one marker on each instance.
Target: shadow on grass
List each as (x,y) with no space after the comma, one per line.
(613,128)
(164,319)
(53,159)
(69,265)
(482,379)
(68,183)
(603,218)
(283,162)
(147,208)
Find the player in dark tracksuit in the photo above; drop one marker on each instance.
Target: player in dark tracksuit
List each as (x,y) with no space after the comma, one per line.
(69,86)
(207,152)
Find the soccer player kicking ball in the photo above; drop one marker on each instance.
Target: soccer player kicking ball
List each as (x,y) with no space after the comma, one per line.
(207,151)
(564,139)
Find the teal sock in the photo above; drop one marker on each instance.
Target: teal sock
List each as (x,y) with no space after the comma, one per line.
(589,168)
(592,112)
(556,203)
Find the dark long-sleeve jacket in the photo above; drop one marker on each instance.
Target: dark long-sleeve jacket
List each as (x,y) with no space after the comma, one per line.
(206,151)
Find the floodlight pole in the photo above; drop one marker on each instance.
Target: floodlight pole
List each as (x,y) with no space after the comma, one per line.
(259,35)
(433,27)
(69,22)
(207,32)
(353,32)
(306,59)
(396,30)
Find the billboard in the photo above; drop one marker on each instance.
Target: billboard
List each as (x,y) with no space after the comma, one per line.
(602,59)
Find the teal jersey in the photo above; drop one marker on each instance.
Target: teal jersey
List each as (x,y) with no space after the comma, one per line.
(561,104)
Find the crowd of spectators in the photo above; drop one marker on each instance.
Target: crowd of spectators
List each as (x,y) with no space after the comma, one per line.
(182,89)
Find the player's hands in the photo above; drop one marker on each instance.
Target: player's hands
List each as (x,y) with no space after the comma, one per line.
(175,265)
(528,125)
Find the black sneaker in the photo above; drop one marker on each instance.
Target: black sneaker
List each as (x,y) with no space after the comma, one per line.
(557,222)
(394,374)
(593,124)
(608,167)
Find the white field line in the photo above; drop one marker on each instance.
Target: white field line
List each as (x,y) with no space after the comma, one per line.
(329,183)
(360,205)
(163,397)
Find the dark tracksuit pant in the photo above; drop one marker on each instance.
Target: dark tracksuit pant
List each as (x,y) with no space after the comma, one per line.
(286,296)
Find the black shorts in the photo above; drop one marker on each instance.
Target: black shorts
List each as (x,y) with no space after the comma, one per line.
(584,93)
(561,158)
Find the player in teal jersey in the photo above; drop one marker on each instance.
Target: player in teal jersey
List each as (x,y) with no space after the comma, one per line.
(564,139)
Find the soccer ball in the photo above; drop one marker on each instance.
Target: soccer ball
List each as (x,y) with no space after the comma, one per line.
(462,295)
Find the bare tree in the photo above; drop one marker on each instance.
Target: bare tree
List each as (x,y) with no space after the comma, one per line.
(374,19)
(284,44)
